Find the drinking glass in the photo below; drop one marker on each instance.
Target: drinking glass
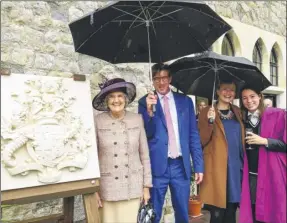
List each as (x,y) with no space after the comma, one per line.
(247,130)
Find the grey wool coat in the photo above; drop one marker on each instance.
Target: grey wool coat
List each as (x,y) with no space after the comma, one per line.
(123,156)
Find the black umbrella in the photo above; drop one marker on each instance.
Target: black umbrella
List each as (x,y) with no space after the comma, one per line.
(147,31)
(200,74)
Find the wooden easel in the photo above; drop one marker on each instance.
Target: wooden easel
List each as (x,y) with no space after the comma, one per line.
(67,191)
(86,188)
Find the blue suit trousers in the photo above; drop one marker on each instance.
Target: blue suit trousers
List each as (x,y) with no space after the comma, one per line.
(179,185)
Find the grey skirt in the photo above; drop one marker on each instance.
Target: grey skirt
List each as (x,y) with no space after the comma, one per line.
(253,186)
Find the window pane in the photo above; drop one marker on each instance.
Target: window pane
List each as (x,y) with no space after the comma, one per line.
(256,57)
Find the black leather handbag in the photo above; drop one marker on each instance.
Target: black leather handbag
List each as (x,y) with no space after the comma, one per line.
(146,213)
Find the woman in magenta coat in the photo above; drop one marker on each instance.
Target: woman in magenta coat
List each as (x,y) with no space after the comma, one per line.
(263,197)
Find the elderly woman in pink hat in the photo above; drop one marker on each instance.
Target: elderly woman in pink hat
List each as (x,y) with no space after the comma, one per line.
(123,153)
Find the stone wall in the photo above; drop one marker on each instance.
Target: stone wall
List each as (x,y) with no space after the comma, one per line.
(267,15)
(35,39)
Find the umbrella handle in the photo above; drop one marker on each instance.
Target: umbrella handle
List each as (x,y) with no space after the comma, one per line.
(211,120)
(153,108)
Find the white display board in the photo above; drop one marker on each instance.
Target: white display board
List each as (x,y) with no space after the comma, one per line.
(47,131)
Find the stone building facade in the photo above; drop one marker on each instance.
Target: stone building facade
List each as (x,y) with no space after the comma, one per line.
(35,39)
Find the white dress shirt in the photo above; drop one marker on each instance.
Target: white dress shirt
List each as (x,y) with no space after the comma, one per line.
(173,113)
(254,118)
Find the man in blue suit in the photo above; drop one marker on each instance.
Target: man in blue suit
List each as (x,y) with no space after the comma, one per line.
(173,138)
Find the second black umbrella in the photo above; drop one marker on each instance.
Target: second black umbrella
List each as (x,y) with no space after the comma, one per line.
(200,74)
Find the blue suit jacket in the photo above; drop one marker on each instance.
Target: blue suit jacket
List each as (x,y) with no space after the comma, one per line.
(156,131)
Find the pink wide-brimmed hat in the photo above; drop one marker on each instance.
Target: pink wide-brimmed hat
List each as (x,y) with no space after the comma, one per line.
(112,85)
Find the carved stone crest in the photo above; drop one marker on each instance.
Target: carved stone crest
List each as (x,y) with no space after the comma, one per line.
(42,126)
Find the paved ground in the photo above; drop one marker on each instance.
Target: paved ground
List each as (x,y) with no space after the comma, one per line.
(202,219)
(205,218)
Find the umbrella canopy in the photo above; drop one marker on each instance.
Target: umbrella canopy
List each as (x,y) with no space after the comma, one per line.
(200,74)
(147,31)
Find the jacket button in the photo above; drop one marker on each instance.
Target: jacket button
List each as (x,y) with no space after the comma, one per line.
(166,143)
(116,178)
(126,154)
(113,123)
(126,176)
(115,143)
(116,166)
(127,165)
(116,155)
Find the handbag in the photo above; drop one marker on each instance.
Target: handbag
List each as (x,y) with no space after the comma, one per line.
(146,213)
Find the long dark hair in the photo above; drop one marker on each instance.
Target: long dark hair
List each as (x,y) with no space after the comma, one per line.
(261,106)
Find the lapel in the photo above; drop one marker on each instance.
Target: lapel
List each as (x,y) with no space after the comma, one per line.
(179,110)
(159,111)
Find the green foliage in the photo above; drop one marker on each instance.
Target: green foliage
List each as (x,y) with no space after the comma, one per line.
(192,181)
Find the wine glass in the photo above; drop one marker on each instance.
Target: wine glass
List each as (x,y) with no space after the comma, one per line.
(247,130)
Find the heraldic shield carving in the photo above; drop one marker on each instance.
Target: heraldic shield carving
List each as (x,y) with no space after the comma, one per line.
(42,134)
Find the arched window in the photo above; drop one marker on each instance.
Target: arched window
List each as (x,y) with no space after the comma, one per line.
(273,68)
(227,47)
(257,56)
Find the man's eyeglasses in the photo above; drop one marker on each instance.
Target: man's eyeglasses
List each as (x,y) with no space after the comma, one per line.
(163,79)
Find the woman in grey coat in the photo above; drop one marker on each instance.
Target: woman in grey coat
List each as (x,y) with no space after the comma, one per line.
(123,153)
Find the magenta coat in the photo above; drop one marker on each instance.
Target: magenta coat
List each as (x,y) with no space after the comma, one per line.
(271,184)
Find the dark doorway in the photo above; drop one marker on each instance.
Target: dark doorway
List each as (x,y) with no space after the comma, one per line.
(272,97)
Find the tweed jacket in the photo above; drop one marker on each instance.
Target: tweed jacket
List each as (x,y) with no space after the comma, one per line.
(123,156)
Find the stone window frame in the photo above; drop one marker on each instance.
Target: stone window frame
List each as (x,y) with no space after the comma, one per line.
(273,67)
(257,55)
(227,47)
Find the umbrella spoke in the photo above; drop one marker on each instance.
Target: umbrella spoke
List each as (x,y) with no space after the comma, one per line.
(130,28)
(157,11)
(224,63)
(210,64)
(210,16)
(164,15)
(115,19)
(197,79)
(151,23)
(201,76)
(143,9)
(126,20)
(157,22)
(232,74)
(128,13)
(83,43)
(237,68)
(172,19)
(201,12)
(131,21)
(195,68)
